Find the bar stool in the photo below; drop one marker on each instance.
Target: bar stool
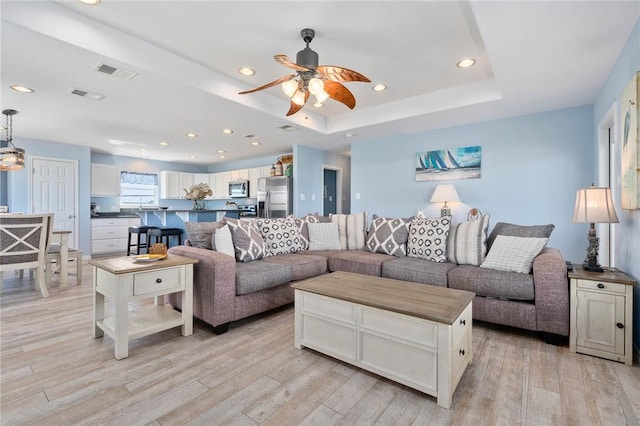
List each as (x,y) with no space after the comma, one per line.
(163,235)
(139,231)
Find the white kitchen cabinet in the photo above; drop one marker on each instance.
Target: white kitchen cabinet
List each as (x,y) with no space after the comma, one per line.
(254,174)
(105,180)
(222,185)
(173,184)
(207,178)
(241,174)
(109,235)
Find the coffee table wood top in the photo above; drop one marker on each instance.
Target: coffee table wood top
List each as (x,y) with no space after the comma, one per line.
(433,303)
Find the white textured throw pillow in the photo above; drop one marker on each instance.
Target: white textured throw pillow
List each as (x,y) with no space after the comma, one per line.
(428,239)
(514,254)
(352,229)
(281,235)
(223,241)
(467,243)
(323,236)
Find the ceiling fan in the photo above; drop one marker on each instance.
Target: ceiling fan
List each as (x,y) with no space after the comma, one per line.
(322,81)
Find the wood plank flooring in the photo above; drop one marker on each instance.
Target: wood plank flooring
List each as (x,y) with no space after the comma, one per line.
(53,372)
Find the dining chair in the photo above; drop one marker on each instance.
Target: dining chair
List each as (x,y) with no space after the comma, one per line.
(23,244)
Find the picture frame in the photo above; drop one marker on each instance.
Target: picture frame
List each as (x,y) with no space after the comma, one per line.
(449,164)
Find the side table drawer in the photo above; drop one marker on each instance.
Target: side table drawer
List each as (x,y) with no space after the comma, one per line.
(153,281)
(603,286)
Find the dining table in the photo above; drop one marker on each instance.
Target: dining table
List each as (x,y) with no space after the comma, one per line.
(62,235)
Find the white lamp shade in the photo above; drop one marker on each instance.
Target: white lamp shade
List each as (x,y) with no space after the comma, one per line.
(322,96)
(289,87)
(316,86)
(299,98)
(594,205)
(444,194)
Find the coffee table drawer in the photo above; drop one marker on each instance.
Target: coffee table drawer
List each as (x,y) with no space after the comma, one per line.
(330,337)
(400,326)
(158,280)
(461,353)
(328,308)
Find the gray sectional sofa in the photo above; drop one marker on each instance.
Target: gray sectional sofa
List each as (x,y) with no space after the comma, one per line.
(226,290)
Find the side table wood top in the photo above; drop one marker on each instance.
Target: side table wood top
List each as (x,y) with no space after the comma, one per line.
(126,264)
(611,275)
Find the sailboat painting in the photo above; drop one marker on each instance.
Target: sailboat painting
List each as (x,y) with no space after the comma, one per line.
(449,164)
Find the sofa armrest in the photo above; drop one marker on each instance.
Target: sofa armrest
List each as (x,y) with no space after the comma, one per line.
(551,292)
(214,285)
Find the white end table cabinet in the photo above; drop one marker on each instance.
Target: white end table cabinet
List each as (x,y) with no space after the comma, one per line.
(126,281)
(602,314)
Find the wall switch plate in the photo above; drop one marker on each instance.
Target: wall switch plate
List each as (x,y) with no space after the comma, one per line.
(302,197)
(357,195)
(313,197)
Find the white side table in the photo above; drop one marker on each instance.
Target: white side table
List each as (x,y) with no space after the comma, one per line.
(125,281)
(602,314)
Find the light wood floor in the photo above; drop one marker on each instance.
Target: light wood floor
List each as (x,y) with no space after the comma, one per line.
(53,372)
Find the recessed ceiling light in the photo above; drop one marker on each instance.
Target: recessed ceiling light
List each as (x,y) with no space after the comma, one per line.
(164,143)
(116,142)
(246,71)
(466,63)
(192,135)
(91,2)
(145,156)
(222,157)
(221,151)
(348,135)
(21,89)
(227,131)
(256,143)
(318,105)
(379,87)
(143,149)
(193,157)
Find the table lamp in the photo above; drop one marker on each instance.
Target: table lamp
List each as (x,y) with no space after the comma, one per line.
(444,194)
(594,205)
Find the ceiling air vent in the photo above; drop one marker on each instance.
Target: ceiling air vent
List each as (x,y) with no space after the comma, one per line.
(119,73)
(287,128)
(86,94)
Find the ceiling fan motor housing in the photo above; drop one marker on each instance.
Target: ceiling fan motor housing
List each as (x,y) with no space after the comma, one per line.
(307,57)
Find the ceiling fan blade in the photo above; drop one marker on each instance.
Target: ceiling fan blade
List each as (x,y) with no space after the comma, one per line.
(295,107)
(340,74)
(340,93)
(284,60)
(273,83)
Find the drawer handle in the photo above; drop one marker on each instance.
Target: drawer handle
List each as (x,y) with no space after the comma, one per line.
(600,285)
(620,325)
(463,322)
(462,352)
(158,280)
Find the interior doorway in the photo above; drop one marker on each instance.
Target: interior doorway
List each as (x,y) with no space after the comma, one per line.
(608,160)
(331,190)
(54,190)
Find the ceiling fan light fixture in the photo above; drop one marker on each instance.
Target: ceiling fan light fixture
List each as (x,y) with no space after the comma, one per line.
(289,87)
(316,86)
(299,98)
(322,96)
(11,157)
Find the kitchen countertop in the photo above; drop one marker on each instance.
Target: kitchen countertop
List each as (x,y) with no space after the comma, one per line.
(133,213)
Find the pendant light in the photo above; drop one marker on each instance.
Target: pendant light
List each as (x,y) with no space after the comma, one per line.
(11,158)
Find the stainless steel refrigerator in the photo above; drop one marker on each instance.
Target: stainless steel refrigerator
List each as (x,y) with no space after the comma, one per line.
(275,197)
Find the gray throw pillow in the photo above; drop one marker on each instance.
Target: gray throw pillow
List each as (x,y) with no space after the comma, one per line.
(200,233)
(388,236)
(512,230)
(247,240)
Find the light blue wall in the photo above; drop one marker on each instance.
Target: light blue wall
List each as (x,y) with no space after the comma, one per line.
(308,176)
(531,168)
(627,249)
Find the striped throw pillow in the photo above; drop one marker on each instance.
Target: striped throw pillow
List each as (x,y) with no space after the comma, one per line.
(352,229)
(467,243)
(514,254)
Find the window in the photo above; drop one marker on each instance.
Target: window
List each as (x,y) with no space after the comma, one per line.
(138,190)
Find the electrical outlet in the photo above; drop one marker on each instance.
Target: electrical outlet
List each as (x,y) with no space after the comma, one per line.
(302,197)
(313,197)
(357,195)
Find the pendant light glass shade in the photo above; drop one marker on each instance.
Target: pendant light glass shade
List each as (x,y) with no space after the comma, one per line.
(316,86)
(11,158)
(322,96)
(298,98)
(289,87)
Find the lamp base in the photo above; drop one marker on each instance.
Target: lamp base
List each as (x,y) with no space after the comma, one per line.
(587,267)
(591,262)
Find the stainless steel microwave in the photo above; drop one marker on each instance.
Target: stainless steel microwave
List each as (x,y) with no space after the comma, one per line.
(239,189)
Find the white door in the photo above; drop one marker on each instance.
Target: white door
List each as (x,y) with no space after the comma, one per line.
(54,189)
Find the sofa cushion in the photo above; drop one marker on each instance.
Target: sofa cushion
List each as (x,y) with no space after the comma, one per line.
(352,229)
(417,270)
(281,235)
(511,230)
(200,234)
(388,236)
(492,283)
(260,275)
(428,238)
(359,262)
(323,236)
(247,240)
(513,254)
(302,267)
(467,243)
